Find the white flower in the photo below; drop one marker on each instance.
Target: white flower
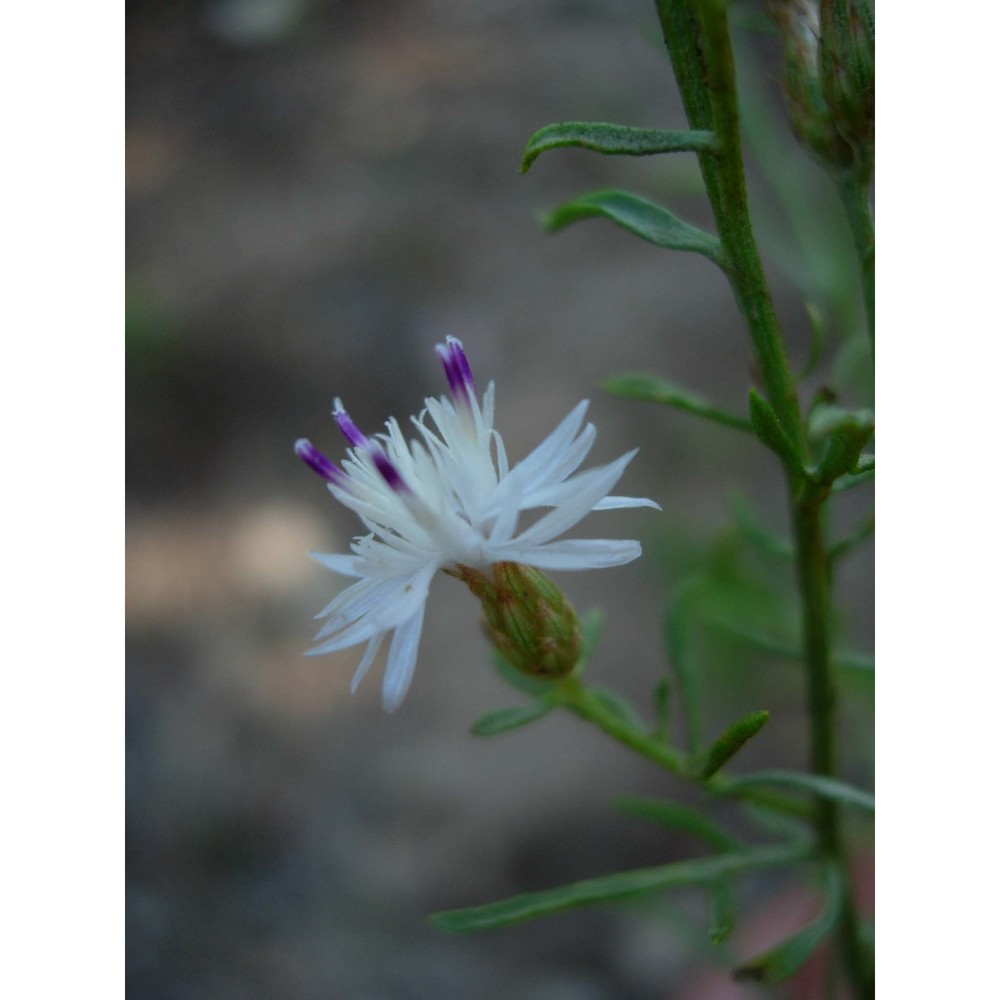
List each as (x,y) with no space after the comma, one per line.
(450,498)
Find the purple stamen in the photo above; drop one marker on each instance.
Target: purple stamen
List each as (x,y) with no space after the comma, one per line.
(457,370)
(347,426)
(389,472)
(319,463)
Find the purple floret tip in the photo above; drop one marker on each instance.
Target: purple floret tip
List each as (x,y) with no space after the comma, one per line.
(456,368)
(318,462)
(348,427)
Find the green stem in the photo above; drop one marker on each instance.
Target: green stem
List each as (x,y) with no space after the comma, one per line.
(697,36)
(584,703)
(813,577)
(701,54)
(856,197)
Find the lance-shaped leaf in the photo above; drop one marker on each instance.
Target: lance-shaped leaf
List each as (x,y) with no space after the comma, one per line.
(827,788)
(784,959)
(844,434)
(677,621)
(731,741)
(651,389)
(619,707)
(721,912)
(679,817)
(768,430)
(625,885)
(602,137)
(645,219)
(505,719)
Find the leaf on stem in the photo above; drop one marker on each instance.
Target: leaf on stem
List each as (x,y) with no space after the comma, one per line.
(768,430)
(844,433)
(643,218)
(827,788)
(731,742)
(677,622)
(661,709)
(817,340)
(624,885)
(618,707)
(503,720)
(651,389)
(679,817)
(783,960)
(721,912)
(602,137)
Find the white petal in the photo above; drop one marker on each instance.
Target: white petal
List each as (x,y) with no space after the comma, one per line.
(590,487)
(336,563)
(374,645)
(401,661)
(615,503)
(581,553)
(533,468)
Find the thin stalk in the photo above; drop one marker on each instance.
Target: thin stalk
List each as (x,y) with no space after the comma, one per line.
(701,54)
(813,577)
(856,198)
(585,704)
(696,33)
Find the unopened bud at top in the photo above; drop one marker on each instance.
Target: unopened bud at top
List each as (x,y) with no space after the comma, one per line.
(527,618)
(799,23)
(847,72)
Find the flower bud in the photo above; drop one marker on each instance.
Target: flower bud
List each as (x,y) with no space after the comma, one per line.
(847,72)
(527,618)
(799,23)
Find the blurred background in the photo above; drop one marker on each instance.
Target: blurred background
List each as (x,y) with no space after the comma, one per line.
(317,193)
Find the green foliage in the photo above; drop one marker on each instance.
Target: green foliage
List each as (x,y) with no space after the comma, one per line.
(652,389)
(679,817)
(816,784)
(785,959)
(731,742)
(503,720)
(645,219)
(626,885)
(602,137)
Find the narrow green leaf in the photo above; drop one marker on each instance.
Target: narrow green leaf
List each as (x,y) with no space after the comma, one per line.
(818,328)
(863,531)
(679,817)
(866,463)
(661,710)
(768,430)
(699,871)
(843,659)
(849,482)
(619,707)
(721,912)
(766,540)
(591,627)
(505,719)
(677,638)
(828,788)
(602,137)
(534,686)
(785,959)
(651,389)
(732,741)
(643,218)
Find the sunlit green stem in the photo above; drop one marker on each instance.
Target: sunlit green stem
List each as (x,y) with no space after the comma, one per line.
(856,197)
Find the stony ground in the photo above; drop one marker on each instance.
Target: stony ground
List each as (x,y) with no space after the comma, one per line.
(317,193)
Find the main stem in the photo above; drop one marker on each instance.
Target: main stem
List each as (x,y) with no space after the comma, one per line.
(696,33)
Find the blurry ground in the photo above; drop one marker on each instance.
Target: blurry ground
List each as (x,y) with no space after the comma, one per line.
(317,193)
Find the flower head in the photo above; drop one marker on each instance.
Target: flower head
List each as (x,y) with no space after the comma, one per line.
(449,500)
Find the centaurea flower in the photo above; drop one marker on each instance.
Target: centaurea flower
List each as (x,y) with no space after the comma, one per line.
(450,501)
